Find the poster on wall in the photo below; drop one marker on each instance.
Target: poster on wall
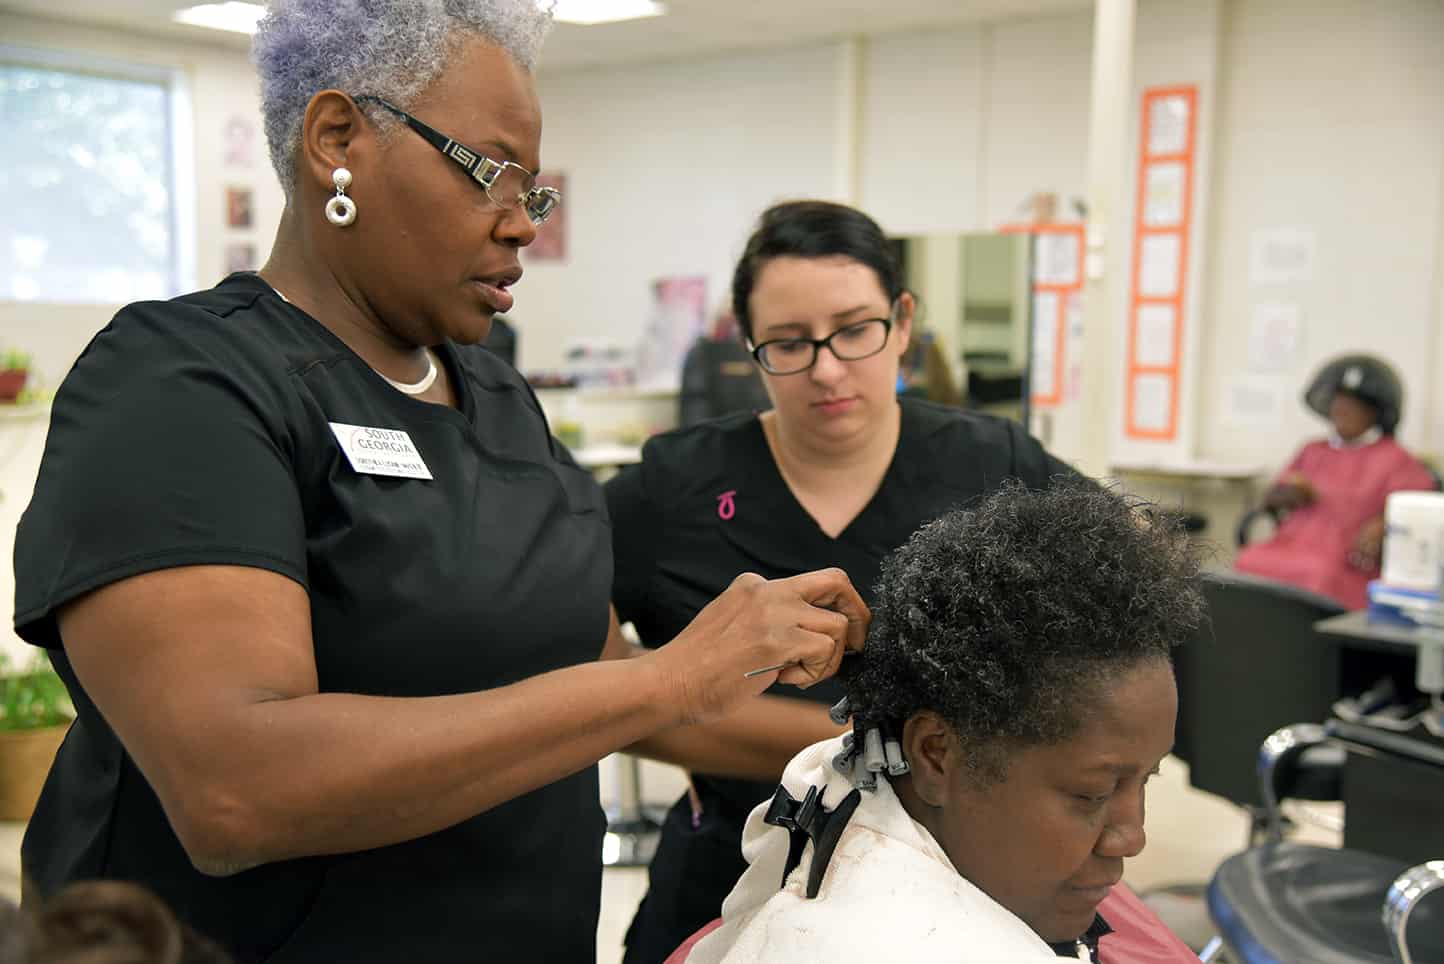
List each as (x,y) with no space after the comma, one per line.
(551,237)
(1159,264)
(1056,258)
(238,207)
(1073,313)
(1281,255)
(1163,195)
(1043,372)
(1157,324)
(1275,336)
(1255,401)
(676,320)
(1168,124)
(239,137)
(1152,402)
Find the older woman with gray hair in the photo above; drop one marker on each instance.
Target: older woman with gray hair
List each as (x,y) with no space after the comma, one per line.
(328,598)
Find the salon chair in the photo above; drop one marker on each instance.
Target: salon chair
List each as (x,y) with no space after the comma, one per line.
(718,378)
(1251,521)
(1192,523)
(992,386)
(1264,518)
(1255,665)
(501,340)
(1282,902)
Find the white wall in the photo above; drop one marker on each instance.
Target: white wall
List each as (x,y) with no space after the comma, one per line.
(921,131)
(668,165)
(1333,122)
(1037,80)
(949,131)
(221,85)
(960,126)
(667,168)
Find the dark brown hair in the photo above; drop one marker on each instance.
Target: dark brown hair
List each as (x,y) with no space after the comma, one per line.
(813,229)
(105,922)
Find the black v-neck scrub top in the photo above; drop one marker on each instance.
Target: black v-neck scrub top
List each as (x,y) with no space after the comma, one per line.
(707,503)
(196,431)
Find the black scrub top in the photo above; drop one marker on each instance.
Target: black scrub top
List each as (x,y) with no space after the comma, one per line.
(708,503)
(197,431)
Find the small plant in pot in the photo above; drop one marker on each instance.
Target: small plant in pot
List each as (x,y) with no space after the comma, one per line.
(35,713)
(14,373)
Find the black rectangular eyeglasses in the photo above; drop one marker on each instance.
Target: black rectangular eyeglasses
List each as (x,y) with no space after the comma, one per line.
(506,183)
(854,342)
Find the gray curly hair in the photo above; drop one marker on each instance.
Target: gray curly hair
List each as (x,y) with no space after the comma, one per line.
(392,48)
(1010,617)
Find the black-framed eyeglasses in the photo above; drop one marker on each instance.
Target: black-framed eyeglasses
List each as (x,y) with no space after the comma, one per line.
(854,342)
(506,183)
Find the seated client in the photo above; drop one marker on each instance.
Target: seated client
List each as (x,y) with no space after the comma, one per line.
(1331,497)
(1014,696)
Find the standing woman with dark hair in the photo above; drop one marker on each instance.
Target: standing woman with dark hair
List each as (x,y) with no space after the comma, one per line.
(839,473)
(328,597)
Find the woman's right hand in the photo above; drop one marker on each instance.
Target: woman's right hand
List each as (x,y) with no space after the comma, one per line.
(806,622)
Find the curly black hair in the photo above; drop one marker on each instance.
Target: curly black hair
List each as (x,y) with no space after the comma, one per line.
(1003,618)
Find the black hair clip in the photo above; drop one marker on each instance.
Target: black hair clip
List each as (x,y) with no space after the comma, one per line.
(808,820)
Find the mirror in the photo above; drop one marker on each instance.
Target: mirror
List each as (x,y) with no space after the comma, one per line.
(974,305)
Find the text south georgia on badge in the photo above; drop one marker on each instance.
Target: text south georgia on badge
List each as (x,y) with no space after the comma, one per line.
(383,440)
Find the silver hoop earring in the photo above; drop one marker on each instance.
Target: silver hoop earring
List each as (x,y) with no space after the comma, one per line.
(341,210)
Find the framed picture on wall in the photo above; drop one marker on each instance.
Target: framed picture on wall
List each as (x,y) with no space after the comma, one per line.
(238,207)
(551,237)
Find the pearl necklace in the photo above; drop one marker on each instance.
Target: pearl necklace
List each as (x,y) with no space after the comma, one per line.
(415,388)
(405,388)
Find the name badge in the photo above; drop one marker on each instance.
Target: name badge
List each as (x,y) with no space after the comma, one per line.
(380,451)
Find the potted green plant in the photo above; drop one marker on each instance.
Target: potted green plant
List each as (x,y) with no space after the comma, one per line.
(14,373)
(35,713)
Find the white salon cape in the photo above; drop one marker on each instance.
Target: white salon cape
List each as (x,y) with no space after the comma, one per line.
(889,895)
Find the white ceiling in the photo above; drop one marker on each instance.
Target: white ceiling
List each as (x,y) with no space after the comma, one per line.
(691,27)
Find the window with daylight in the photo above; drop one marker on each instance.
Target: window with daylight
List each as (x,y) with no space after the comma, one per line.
(87,180)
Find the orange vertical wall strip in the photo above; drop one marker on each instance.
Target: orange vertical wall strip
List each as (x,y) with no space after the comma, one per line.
(1154,161)
(1065,292)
